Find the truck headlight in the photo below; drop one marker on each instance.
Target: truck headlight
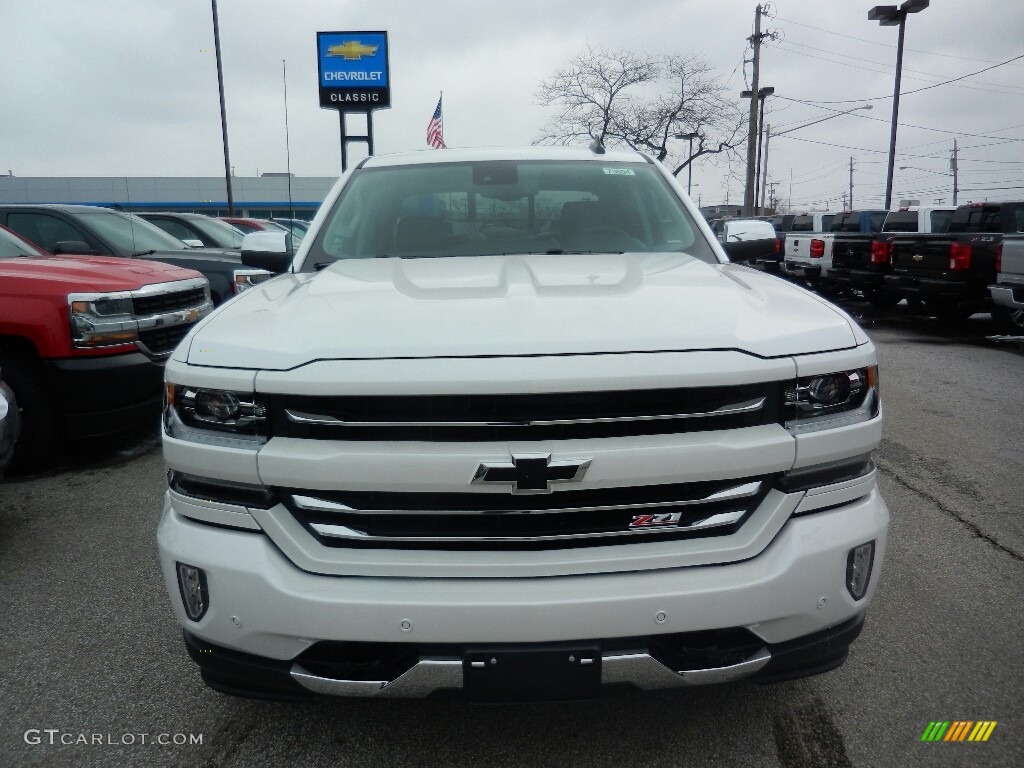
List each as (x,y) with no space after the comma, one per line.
(102,320)
(829,400)
(201,414)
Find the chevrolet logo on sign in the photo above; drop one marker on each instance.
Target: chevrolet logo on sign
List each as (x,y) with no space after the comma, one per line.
(352,50)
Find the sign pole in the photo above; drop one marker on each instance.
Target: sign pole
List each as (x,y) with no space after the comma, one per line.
(344,141)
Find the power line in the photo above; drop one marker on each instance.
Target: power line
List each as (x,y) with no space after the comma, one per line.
(885,45)
(926,88)
(1010,90)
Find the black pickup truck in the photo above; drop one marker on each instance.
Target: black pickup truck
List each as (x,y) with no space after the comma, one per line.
(951,272)
(860,261)
(92,230)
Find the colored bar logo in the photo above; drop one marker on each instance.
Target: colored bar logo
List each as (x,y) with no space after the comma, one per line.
(959,730)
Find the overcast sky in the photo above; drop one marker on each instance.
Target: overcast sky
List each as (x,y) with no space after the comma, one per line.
(129,87)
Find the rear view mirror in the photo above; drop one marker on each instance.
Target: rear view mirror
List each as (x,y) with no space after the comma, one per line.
(73,246)
(745,250)
(271,251)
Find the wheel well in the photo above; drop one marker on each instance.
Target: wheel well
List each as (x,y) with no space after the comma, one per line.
(18,345)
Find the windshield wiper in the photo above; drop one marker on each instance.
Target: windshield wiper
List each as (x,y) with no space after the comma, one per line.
(150,252)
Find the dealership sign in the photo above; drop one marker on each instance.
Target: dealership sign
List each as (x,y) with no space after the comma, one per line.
(354,73)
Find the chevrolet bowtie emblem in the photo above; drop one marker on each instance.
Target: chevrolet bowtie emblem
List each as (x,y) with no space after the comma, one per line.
(531,472)
(918,257)
(352,50)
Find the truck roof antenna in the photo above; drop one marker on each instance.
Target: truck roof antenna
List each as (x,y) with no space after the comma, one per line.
(597,147)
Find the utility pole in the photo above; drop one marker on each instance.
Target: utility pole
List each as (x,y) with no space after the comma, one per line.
(851,184)
(953,166)
(764,163)
(752,126)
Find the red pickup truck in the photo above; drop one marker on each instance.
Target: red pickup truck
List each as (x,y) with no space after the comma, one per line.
(83,340)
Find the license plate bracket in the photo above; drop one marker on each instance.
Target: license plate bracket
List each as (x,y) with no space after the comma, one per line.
(551,673)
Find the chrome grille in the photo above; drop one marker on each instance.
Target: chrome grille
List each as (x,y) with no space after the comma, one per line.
(167,302)
(499,521)
(163,340)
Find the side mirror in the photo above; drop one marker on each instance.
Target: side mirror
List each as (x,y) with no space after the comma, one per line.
(745,250)
(73,246)
(268,250)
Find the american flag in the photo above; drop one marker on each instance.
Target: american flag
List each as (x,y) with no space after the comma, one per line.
(435,138)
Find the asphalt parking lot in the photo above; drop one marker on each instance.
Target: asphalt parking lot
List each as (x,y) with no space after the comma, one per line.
(93,654)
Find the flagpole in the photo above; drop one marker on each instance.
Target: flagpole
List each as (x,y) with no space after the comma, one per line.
(440,101)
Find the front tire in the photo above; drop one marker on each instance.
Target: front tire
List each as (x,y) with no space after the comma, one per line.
(41,428)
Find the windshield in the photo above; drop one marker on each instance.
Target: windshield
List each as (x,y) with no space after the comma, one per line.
(900,221)
(129,234)
(505,207)
(222,233)
(11,246)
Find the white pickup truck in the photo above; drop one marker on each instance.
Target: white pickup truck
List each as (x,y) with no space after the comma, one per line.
(808,256)
(510,425)
(1008,292)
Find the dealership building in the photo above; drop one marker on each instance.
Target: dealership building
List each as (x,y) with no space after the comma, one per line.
(265,196)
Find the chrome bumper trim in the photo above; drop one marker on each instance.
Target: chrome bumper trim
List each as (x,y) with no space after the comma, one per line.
(429,675)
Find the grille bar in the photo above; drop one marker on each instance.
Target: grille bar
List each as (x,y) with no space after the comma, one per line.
(749,406)
(346,532)
(746,490)
(537,416)
(497,520)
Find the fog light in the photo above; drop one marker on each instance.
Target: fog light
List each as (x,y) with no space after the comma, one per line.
(194,593)
(858,569)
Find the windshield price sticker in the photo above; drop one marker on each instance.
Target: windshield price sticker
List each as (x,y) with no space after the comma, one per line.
(619,171)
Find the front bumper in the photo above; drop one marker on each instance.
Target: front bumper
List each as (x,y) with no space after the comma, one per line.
(266,615)
(630,663)
(106,395)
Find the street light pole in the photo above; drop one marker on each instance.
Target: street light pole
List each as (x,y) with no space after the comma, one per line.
(223,112)
(889,16)
(689,159)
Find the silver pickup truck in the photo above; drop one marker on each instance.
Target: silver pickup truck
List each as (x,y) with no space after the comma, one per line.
(1008,292)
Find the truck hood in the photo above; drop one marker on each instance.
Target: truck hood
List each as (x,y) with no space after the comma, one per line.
(93,273)
(515,305)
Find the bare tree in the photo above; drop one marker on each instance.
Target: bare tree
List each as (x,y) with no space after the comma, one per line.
(642,102)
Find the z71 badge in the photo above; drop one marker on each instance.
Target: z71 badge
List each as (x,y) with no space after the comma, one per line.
(661,518)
